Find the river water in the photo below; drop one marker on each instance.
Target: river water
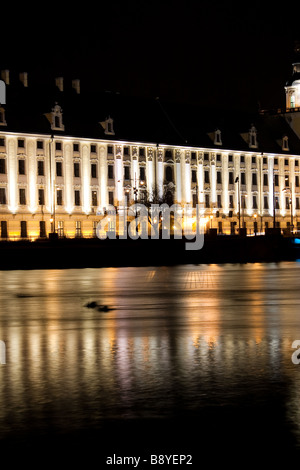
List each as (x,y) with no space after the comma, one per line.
(190,360)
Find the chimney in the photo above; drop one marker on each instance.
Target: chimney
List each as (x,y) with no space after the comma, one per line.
(5,76)
(76,85)
(24,78)
(59,82)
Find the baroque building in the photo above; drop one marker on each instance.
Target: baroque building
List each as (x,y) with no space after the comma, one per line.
(68,155)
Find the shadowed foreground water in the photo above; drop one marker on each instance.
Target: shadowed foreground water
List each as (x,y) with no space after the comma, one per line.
(189,360)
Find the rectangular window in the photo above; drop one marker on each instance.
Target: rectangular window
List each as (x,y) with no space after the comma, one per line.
(21,167)
(78,228)
(142,173)
(230,177)
(4,231)
(2,142)
(266,202)
(253,160)
(40,145)
(277,203)
(77,197)
(126,150)
(206,176)
(242,158)
(57,144)
(93,148)
(42,229)
(193,156)
(94,170)
(110,172)
(219,177)
(254,179)
(60,228)
(207,201)
(59,197)
(297,181)
(94,198)
(58,168)
(287,202)
(265,160)
(41,197)
(110,150)
(195,200)
(76,170)
(219,201)
(287,181)
(286,162)
(254,202)
(40,165)
(276,180)
(126,172)
(297,203)
(206,157)
(194,176)
(230,158)
(2,196)
(111,198)
(243,178)
(218,157)
(21,143)
(296,162)
(142,152)
(2,166)
(231,205)
(22,196)
(75,147)
(23,229)
(266,181)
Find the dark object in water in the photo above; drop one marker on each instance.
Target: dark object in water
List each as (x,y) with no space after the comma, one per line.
(103,308)
(100,308)
(92,304)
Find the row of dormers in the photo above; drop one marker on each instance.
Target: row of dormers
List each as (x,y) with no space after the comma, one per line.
(56,121)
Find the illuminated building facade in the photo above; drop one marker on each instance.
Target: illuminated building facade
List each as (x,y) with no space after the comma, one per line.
(66,156)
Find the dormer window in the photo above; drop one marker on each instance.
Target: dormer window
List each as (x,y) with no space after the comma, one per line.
(57,122)
(2,117)
(285,143)
(108,126)
(253,137)
(218,140)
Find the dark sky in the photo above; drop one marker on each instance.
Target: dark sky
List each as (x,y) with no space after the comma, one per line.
(229,54)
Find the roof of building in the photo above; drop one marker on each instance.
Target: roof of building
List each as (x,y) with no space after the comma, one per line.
(141,120)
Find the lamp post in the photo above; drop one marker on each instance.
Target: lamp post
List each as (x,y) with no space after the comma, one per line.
(237,180)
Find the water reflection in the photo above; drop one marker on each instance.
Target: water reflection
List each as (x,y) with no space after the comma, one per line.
(178,340)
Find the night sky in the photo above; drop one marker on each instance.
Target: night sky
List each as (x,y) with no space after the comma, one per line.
(225,54)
